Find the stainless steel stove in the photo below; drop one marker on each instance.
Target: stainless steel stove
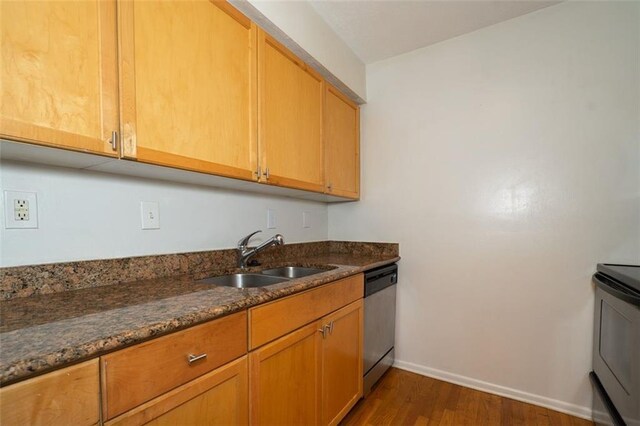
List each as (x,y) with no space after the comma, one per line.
(616,346)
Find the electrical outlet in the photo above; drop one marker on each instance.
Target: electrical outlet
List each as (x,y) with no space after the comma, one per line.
(21,210)
(150,211)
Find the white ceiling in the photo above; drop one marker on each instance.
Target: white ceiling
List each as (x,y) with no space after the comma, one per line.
(380,29)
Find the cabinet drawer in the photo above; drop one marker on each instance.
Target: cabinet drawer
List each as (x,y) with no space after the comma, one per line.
(64,397)
(272,320)
(216,398)
(137,374)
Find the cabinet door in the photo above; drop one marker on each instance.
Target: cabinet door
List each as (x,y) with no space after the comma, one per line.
(290,116)
(58,79)
(70,396)
(216,398)
(188,71)
(271,320)
(341,362)
(285,379)
(342,144)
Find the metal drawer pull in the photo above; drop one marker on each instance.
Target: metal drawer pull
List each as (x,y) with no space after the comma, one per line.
(327,328)
(193,358)
(330,327)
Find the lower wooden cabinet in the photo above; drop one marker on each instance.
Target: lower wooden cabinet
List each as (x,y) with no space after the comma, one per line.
(310,376)
(342,362)
(131,376)
(285,379)
(216,398)
(272,320)
(309,372)
(70,396)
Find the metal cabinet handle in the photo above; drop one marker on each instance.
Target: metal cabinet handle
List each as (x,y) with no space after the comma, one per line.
(327,328)
(330,327)
(330,187)
(193,358)
(114,140)
(266,173)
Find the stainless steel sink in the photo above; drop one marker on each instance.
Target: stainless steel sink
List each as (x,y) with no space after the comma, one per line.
(243,280)
(292,271)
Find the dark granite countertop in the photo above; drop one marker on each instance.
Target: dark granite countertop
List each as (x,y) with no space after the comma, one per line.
(47,331)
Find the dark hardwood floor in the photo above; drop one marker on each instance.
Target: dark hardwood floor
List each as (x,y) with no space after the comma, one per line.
(404,398)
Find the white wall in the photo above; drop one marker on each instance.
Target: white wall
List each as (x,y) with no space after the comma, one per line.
(299,21)
(88,215)
(506,163)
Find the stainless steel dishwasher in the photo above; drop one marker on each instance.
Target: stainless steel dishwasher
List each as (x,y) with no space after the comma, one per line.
(379,322)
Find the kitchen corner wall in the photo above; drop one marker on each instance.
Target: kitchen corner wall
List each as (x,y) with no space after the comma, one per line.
(506,163)
(87,215)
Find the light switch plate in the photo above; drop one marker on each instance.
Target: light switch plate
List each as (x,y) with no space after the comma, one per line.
(306,220)
(150,211)
(271,219)
(20,210)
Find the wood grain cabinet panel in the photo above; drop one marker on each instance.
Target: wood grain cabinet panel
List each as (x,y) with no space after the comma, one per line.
(70,396)
(58,79)
(342,144)
(188,72)
(285,380)
(290,118)
(140,373)
(217,398)
(272,320)
(312,375)
(342,362)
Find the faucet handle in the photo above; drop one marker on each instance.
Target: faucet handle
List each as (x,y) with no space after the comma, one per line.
(244,242)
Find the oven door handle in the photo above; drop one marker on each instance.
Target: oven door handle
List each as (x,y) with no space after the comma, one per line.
(616,289)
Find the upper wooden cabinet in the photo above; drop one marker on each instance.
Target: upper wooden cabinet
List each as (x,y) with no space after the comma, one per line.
(188,80)
(342,144)
(193,85)
(58,80)
(290,118)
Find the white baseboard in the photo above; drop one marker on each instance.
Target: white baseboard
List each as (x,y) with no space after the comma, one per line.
(543,401)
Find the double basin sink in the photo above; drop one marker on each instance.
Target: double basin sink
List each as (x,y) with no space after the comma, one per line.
(263,278)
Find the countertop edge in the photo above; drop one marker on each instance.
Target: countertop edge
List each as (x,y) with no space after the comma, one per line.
(28,368)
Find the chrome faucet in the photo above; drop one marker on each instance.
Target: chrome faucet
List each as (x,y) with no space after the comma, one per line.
(245,252)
